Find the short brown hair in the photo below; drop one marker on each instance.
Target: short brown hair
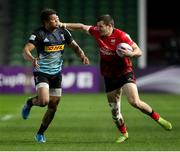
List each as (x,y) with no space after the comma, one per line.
(107,19)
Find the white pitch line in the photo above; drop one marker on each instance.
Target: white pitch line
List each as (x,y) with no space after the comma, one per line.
(6,117)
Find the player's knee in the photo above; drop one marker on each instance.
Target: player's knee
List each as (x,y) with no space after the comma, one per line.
(53,104)
(136,103)
(43,102)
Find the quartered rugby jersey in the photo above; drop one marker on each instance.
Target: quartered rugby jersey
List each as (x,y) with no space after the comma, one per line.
(50,48)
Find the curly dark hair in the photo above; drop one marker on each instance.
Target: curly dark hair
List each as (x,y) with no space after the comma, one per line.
(45,13)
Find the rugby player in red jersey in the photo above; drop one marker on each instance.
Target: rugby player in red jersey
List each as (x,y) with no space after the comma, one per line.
(117,71)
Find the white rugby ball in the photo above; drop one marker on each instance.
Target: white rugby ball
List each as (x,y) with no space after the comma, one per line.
(123,46)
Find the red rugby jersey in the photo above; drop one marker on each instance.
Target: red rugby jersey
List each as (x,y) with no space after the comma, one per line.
(110,63)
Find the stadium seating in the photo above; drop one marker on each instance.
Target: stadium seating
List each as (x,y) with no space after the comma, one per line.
(25,18)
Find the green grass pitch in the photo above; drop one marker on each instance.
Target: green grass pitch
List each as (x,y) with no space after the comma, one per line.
(83,123)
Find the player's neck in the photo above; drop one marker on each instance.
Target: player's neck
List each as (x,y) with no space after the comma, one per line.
(49,28)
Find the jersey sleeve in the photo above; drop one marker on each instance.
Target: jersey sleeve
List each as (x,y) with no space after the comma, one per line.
(126,38)
(68,36)
(93,30)
(34,38)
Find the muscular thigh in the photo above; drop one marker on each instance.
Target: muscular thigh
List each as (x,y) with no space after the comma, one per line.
(131,91)
(42,86)
(43,93)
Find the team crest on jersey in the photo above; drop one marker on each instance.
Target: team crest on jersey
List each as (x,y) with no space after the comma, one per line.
(112,41)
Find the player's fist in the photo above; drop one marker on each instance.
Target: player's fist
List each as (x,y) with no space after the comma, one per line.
(85,60)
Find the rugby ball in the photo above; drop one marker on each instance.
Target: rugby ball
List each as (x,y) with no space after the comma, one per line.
(123,46)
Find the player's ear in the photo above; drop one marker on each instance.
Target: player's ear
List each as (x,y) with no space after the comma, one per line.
(110,25)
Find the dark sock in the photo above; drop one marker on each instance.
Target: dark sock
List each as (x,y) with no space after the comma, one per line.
(42,129)
(29,102)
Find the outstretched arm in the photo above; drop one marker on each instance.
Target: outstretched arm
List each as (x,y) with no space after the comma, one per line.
(75,26)
(79,52)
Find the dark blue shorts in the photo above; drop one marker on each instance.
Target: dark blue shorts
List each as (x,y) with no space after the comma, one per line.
(54,81)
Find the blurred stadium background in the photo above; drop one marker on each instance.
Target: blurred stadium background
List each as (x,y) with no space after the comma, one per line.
(156,32)
(153,24)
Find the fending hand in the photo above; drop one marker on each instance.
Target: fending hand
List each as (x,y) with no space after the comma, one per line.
(85,60)
(62,24)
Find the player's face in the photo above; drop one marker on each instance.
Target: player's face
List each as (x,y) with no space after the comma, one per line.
(103,29)
(53,21)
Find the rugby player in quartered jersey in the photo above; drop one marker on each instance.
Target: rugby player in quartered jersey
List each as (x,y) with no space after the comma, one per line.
(50,48)
(49,42)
